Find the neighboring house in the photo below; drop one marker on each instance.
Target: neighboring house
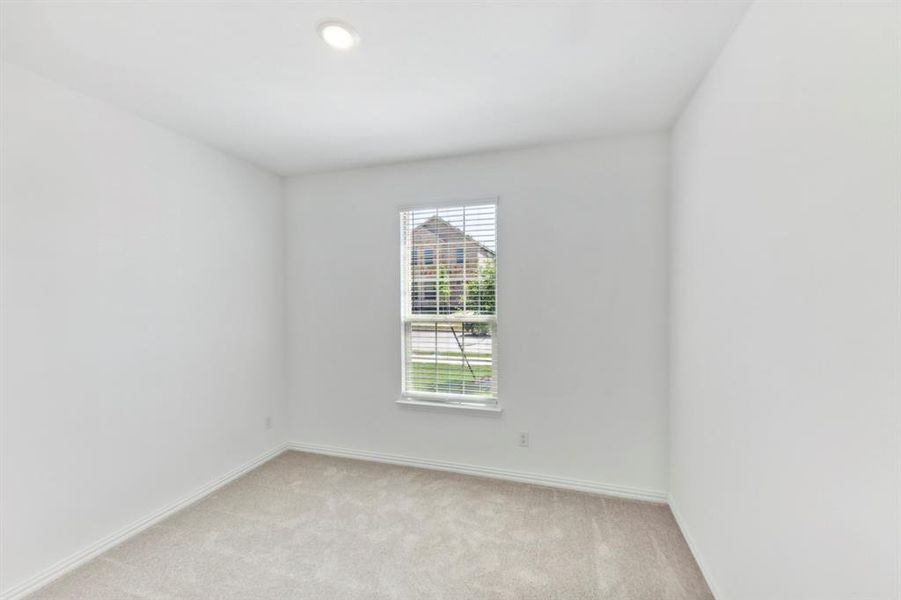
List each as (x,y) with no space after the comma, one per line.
(443,257)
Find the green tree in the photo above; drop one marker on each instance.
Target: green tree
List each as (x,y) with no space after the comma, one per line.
(480,296)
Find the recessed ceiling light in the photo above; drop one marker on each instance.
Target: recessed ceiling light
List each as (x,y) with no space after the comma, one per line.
(339,36)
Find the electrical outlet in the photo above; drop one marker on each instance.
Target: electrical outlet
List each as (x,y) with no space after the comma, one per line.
(268,422)
(524,439)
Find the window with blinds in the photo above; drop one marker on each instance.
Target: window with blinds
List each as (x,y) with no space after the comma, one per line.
(449,273)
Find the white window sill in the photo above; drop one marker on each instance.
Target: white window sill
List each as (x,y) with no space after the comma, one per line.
(496,409)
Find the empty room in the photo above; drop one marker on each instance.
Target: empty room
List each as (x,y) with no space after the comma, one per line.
(451,300)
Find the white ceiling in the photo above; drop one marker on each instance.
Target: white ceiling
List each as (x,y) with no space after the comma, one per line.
(429,78)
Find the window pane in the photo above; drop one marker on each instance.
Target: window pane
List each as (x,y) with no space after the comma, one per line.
(452,267)
(450,358)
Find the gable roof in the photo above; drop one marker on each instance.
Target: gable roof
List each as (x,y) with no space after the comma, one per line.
(444,231)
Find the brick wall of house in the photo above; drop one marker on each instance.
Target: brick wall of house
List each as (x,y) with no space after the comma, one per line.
(442,250)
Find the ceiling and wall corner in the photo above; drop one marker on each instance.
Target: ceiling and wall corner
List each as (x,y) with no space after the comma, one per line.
(428,79)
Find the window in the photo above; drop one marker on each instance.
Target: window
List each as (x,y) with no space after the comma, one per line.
(415,256)
(449,304)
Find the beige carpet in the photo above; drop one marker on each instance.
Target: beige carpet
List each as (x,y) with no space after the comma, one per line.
(304,526)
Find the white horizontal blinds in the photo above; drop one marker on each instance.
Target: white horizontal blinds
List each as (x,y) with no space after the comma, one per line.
(449,302)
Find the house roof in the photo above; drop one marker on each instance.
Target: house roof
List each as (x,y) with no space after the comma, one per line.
(440,227)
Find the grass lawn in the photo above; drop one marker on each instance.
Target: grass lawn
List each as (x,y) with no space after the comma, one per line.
(453,379)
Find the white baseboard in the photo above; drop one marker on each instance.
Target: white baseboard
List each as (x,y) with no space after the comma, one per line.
(705,571)
(620,491)
(79,558)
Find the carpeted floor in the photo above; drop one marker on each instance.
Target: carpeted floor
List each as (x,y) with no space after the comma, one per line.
(312,527)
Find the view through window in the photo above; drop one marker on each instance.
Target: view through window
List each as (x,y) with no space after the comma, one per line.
(449,270)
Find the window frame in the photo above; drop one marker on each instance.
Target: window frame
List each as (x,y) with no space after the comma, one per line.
(469,402)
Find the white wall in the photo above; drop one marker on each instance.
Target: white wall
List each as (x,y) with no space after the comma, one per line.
(786,342)
(582,310)
(143,316)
